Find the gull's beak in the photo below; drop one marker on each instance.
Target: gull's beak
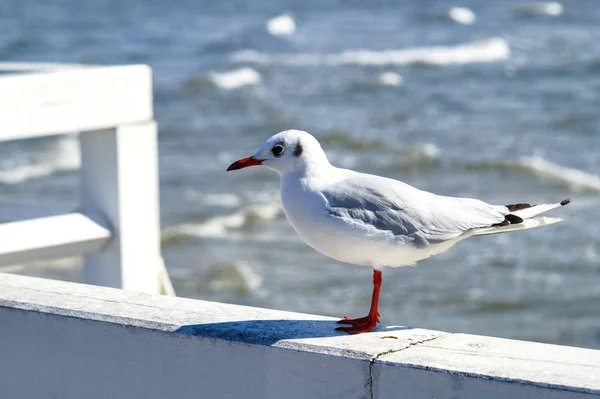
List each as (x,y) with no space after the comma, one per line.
(244,163)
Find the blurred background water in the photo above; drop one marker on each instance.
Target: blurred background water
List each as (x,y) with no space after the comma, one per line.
(491,99)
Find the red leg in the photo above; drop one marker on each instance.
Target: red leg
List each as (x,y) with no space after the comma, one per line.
(367,323)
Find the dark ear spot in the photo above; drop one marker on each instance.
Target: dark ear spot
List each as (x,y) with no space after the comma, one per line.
(298,149)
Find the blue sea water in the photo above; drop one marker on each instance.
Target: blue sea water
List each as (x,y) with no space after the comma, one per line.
(504,109)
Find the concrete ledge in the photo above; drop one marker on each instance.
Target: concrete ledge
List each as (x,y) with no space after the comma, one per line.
(68,340)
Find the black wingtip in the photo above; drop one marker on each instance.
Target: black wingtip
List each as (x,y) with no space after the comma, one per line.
(509,219)
(565,201)
(517,207)
(513,219)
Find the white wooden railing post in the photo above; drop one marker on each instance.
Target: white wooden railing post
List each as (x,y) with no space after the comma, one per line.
(119,180)
(119,219)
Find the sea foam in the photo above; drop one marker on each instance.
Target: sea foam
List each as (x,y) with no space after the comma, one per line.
(551,9)
(462,15)
(576,178)
(235,79)
(573,177)
(282,25)
(221,226)
(390,79)
(236,277)
(63,155)
(490,50)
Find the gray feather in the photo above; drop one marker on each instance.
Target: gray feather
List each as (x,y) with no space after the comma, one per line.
(392,206)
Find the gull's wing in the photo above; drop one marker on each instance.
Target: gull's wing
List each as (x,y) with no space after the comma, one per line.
(388,205)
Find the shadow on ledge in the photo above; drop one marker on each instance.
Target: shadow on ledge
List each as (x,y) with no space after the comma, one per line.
(268,332)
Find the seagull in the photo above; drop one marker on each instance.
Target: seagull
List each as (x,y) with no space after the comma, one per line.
(375,221)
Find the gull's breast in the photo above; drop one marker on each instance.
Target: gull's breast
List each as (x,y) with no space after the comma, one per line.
(343,239)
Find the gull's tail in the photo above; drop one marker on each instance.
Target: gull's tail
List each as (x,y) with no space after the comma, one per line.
(522,217)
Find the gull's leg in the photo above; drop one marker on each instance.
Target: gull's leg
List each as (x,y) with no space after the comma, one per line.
(367,323)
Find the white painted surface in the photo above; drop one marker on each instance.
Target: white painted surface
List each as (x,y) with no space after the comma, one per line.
(51,237)
(79,341)
(112,106)
(74,100)
(119,178)
(467,358)
(166,286)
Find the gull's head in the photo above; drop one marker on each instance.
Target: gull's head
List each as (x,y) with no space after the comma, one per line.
(286,152)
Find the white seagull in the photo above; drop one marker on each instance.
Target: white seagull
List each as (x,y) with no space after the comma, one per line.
(375,221)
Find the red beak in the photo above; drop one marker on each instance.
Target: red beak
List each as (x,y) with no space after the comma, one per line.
(244,163)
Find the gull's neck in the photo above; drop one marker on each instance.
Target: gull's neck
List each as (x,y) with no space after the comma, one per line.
(315,163)
(313,169)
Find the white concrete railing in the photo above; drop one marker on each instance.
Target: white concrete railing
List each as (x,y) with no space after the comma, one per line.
(117,225)
(69,340)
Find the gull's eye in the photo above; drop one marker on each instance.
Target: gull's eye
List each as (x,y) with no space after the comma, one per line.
(277,150)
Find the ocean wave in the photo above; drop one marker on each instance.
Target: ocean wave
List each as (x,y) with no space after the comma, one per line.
(282,25)
(418,157)
(235,79)
(235,277)
(428,155)
(411,157)
(426,150)
(59,263)
(575,178)
(389,79)
(221,226)
(490,50)
(63,155)
(461,15)
(500,306)
(551,9)
(345,140)
(227,200)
